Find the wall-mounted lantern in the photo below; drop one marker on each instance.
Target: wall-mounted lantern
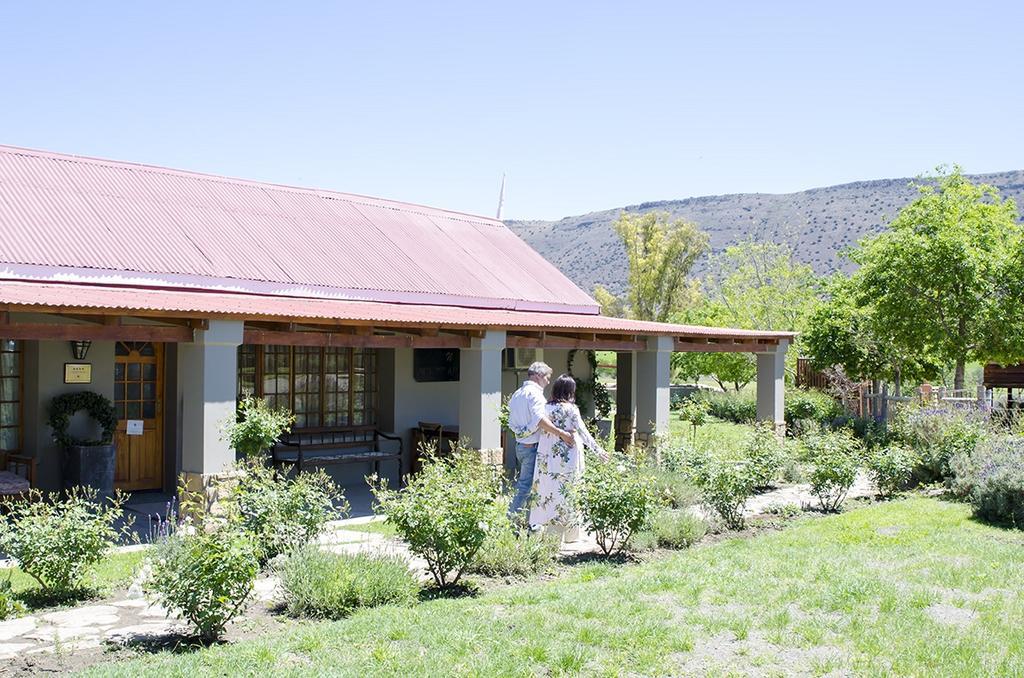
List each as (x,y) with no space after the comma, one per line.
(80,348)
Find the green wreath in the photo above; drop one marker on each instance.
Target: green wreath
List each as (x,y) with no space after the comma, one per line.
(63,407)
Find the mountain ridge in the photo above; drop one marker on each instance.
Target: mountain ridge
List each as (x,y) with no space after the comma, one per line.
(820,222)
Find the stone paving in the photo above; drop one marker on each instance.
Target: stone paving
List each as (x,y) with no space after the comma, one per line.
(800,495)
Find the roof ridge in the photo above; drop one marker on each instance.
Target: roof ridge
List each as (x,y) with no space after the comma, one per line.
(322,192)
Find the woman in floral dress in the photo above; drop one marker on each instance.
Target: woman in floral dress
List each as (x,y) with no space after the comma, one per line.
(560,465)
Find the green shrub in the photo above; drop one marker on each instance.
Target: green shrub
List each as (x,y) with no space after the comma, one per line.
(325,585)
(10,606)
(835,458)
(783,510)
(803,405)
(991,477)
(791,471)
(725,487)
(445,512)
(256,427)
(205,576)
(873,433)
(936,434)
(57,540)
(508,553)
(279,513)
(735,407)
(695,411)
(674,455)
(676,529)
(616,499)
(674,489)
(891,468)
(764,453)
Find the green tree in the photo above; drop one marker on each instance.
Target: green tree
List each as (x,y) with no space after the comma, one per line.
(660,254)
(727,369)
(611,305)
(761,285)
(840,332)
(937,280)
(752,285)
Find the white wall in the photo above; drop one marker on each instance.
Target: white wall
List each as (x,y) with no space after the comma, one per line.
(44,380)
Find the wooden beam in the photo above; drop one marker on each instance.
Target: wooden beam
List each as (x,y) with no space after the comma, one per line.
(91,319)
(191,323)
(256,336)
(96,332)
(515,341)
(707,347)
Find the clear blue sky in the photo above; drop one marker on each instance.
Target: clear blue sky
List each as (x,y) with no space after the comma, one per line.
(586,106)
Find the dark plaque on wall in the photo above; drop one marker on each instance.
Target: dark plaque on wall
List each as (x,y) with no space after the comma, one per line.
(435,364)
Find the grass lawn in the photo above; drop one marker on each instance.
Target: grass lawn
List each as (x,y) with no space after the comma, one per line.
(716,435)
(907,587)
(377,527)
(116,570)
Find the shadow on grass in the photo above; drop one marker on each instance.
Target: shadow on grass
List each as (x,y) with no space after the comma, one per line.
(173,642)
(464,589)
(41,599)
(596,557)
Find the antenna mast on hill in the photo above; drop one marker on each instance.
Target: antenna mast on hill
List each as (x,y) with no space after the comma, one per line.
(501,196)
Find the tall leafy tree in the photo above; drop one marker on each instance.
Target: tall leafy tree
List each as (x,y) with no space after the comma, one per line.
(937,280)
(660,253)
(762,285)
(841,332)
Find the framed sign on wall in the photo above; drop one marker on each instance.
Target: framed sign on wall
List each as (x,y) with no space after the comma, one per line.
(77,373)
(435,364)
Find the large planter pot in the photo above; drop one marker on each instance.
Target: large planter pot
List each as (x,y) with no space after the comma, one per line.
(89,465)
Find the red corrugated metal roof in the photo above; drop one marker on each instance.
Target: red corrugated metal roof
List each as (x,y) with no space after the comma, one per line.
(42,296)
(82,219)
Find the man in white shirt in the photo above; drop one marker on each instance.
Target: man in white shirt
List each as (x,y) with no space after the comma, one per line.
(527,417)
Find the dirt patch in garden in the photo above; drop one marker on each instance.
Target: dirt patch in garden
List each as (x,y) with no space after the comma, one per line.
(950,615)
(755,656)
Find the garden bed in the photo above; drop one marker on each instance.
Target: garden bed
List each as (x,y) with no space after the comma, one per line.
(912,586)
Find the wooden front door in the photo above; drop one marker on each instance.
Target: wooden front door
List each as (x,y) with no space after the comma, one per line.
(138,396)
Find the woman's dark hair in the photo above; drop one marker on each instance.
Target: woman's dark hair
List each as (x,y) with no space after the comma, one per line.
(563,390)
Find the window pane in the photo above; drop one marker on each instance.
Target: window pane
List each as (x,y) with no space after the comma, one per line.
(8,389)
(149,372)
(149,410)
(134,391)
(134,410)
(118,371)
(134,371)
(149,390)
(9,364)
(8,438)
(9,414)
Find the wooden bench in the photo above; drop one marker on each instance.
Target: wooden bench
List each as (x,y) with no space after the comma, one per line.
(325,446)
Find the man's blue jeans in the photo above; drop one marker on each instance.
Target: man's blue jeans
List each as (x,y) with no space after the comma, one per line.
(526,455)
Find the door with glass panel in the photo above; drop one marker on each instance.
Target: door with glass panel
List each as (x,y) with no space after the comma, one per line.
(138,401)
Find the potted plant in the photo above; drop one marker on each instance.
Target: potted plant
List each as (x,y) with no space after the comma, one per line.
(85,462)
